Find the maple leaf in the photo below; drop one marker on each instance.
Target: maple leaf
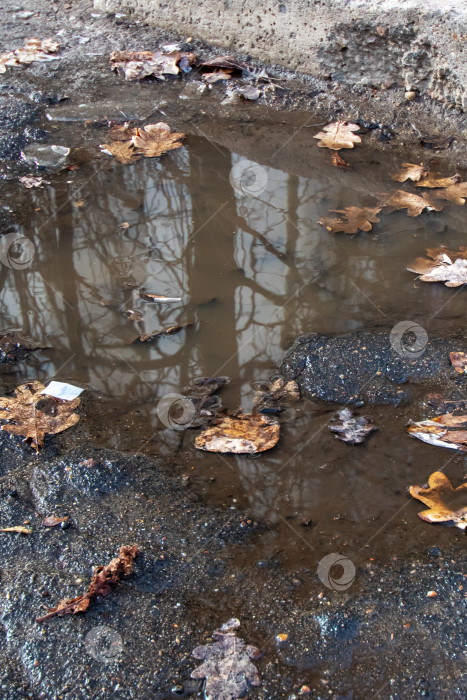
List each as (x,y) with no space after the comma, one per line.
(354,219)
(410,171)
(104,577)
(446,266)
(123,151)
(446,504)
(227,667)
(338,135)
(136,65)
(414,203)
(459,361)
(156,139)
(352,430)
(243,434)
(26,413)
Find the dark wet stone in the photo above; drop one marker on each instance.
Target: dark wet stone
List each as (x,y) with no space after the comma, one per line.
(364,366)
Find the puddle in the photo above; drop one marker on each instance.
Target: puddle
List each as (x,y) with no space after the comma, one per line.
(254,270)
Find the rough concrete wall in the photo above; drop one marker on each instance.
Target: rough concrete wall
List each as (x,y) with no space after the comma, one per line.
(416,45)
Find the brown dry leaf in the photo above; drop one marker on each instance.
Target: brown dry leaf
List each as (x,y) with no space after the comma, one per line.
(27,416)
(414,203)
(33,50)
(446,266)
(245,433)
(150,141)
(104,577)
(455,193)
(433,181)
(442,431)
(459,361)
(338,135)
(155,335)
(339,162)
(354,219)
(226,62)
(445,504)
(53,520)
(136,65)
(410,171)
(17,528)
(215,76)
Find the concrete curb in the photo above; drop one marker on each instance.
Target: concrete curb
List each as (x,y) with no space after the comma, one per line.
(356,42)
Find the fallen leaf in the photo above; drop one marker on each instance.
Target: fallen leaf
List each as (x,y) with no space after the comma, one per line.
(217,75)
(433,181)
(338,135)
(226,62)
(354,219)
(158,297)
(30,182)
(27,416)
(459,361)
(53,520)
(242,434)
(410,171)
(136,65)
(339,162)
(17,528)
(104,577)
(33,50)
(442,431)
(352,430)
(454,193)
(446,504)
(436,142)
(446,266)
(249,92)
(227,667)
(272,396)
(155,335)
(414,203)
(150,141)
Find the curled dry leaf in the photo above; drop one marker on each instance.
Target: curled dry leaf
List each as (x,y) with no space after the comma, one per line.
(353,219)
(104,577)
(33,50)
(136,65)
(339,162)
(414,203)
(33,414)
(226,62)
(153,140)
(436,141)
(446,266)
(53,520)
(219,74)
(17,528)
(410,171)
(227,664)
(459,361)
(338,135)
(445,504)
(243,434)
(442,431)
(352,430)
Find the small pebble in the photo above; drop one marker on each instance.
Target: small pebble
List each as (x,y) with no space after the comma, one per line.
(431,594)
(410,95)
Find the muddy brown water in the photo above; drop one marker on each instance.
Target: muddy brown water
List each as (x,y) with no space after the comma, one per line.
(254,270)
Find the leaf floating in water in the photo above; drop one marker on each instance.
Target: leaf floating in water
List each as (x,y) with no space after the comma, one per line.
(103,579)
(352,430)
(445,504)
(338,135)
(243,434)
(443,431)
(33,415)
(339,162)
(410,171)
(353,219)
(446,266)
(155,335)
(227,667)
(414,203)
(160,298)
(431,180)
(136,65)
(153,140)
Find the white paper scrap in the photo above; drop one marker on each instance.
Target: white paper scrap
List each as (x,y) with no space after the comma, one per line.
(61,390)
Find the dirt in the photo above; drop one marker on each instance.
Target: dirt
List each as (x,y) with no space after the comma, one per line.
(206,554)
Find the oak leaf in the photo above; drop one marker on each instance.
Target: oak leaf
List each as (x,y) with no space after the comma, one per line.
(243,434)
(455,194)
(442,431)
(433,181)
(445,504)
(136,65)
(338,135)
(104,577)
(353,219)
(352,430)
(445,266)
(27,414)
(410,171)
(414,203)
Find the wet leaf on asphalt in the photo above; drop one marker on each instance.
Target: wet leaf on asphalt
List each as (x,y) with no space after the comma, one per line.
(33,415)
(17,528)
(459,361)
(104,577)
(410,171)
(33,50)
(153,140)
(227,667)
(414,203)
(445,503)
(53,520)
(352,430)
(353,219)
(338,135)
(445,266)
(244,433)
(437,142)
(136,65)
